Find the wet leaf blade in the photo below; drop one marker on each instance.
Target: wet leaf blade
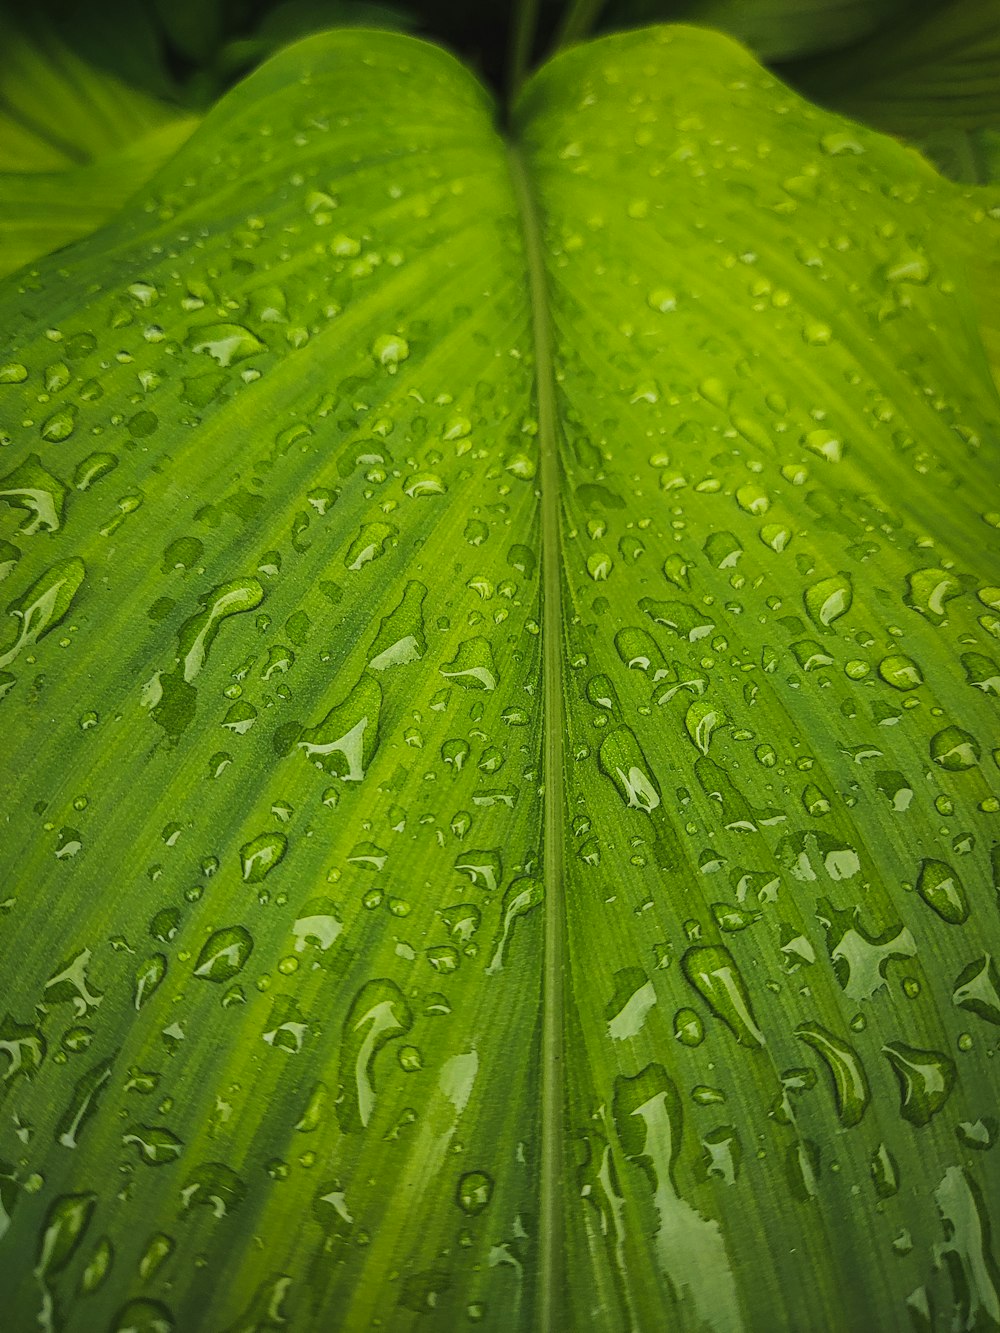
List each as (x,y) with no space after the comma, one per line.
(278,764)
(762,666)
(308,634)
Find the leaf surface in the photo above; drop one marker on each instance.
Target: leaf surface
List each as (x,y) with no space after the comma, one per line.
(498,729)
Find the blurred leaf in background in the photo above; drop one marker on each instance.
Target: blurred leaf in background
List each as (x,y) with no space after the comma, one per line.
(75,141)
(931,76)
(776,30)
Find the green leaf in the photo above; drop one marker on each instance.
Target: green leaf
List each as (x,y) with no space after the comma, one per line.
(75,143)
(117,36)
(42,211)
(500,747)
(56,110)
(778,29)
(933,78)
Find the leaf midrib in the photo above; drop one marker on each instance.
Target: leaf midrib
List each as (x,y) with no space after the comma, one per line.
(550,1238)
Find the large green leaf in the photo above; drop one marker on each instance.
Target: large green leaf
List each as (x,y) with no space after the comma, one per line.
(500,681)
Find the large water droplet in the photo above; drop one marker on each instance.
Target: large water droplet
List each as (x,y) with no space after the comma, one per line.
(224,953)
(926,1079)
(712,971)
(225,343)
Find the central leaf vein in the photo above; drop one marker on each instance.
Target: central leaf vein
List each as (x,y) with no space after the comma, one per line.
(553,723)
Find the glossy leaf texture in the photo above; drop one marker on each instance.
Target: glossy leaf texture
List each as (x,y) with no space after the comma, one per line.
(274,867)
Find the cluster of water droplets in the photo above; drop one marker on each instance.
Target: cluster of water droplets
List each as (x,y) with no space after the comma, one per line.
(273,689)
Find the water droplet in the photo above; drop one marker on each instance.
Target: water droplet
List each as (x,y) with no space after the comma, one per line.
(318,925)
(344,743)
(9,557)
(850,1083)
(662,299)
(752,498)
(689,1030)
(648,1117)
(259,856)
(910,267)
(401,638)
(621,759)
(715,392)
(701,720)
(977,989)
(929,590)
(65,1223)
(483,867)
(184,553)
(225,343)
(885,1172)
(599,566)
(941,889)
(829,599)
(522,896)
(32,487)
(723,550)
(825,445)
(369,544)
(225,952)
(980,671)
(60,425)
(196,636)
(98,1266)
(676,571)
(775,535)
(378,1014)
(424,483)
(954,749)
(83,1103)
(389,350)
(902,673)
(837,143)
(687,621)
(157,1251)
(142,424)
(475,1189)
(42,607)
(213,1185)
(155,1144)
(979,1134)
(286,1028)
(144,292)
(712,971)
(93,468)
(926,1079)
(472,666)
(148,977)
